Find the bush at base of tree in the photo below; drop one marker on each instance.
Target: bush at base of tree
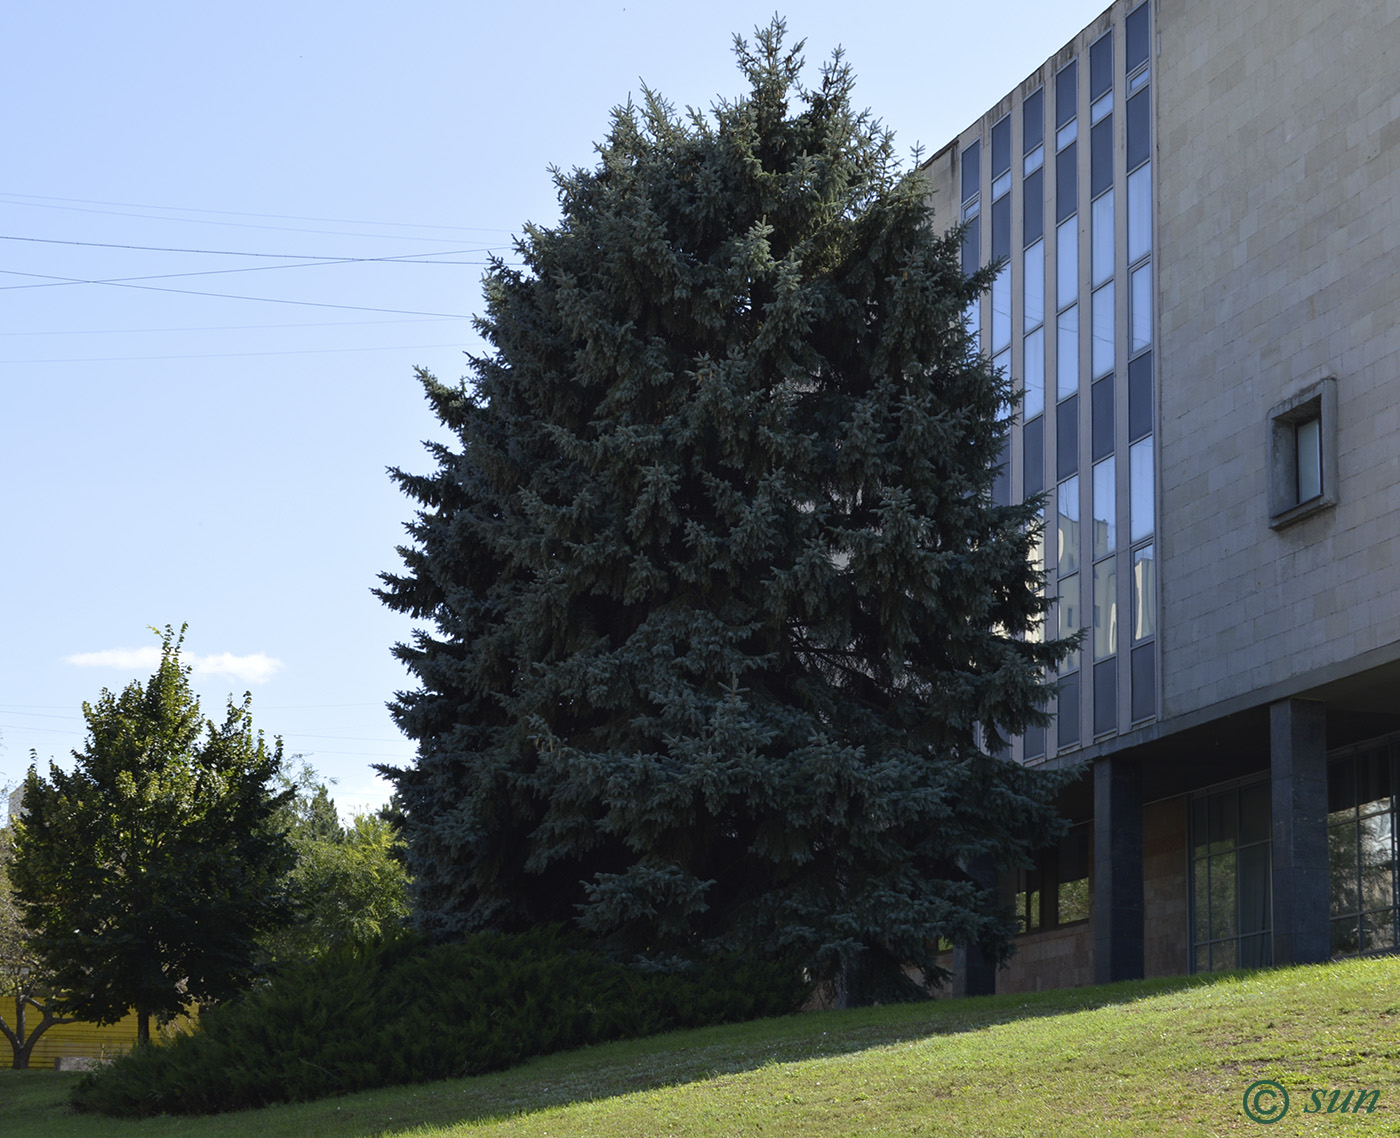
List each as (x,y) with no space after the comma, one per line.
(410,1013)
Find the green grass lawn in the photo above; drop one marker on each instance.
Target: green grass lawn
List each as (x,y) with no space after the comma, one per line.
(1169,1057)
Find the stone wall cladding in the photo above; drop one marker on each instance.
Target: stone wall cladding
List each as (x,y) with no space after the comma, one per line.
(1278,232)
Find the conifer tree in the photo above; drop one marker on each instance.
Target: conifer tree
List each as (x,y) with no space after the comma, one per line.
(719,597)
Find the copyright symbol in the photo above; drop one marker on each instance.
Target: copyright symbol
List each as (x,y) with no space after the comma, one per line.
(1265,1101)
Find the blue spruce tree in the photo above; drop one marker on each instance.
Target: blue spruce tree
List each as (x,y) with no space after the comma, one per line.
(718,594)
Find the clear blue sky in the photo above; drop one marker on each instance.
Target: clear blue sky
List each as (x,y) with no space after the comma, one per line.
(169,457)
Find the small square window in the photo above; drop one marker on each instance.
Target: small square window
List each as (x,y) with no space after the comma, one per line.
(1303,454)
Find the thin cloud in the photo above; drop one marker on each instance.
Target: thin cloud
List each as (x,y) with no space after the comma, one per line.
(256,668)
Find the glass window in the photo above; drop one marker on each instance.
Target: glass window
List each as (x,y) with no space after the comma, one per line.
(1140,302)
(1067,354)
(1100,108)
(1067,510)
(1034,368)
(1143,663)
(1101,419)
(1105,508)
(1102,354)
(1308,440)
(1361,841)
(1139,212)
(1140,397)
(1067,437)
(1034,284)
(1033,208)
(1033,121)
(1144,595)
(1101,65)
(1066,134)
(972,246)
(1140,486)
(971,170)
(1067,719)
(1105,696)
(1100,156)
(1105,607)
(1033,161)
(1101,237)
(1001,185)
(1139,129)
(1001,228)
(1001,482)
(1066,182)
(1067,263)
(1231,881)
(1001,309)
(1066,93)
(1033,472)
(1135,37)
(1001,147)
(1070,623)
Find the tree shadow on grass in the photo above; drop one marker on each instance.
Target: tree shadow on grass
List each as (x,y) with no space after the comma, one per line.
(614,1069)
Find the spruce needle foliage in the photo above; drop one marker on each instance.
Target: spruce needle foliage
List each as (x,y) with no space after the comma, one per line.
(719,597)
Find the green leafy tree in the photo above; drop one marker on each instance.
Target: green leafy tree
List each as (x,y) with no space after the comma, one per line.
(349,882)
(719,594)
(147,874)
(21,975)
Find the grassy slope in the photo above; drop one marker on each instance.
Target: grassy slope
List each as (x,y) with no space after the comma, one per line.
(1158,1057)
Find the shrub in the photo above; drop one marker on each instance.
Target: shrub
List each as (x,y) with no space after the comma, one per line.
(406,1012)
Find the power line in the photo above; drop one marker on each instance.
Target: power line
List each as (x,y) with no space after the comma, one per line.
(232,355)
(243,213)
(408,258)
(235,296)
(249,225)
(231,327)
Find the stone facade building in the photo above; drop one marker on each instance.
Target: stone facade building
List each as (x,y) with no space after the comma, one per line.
(1198,205)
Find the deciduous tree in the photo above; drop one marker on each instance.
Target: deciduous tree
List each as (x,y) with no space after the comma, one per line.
(147,873)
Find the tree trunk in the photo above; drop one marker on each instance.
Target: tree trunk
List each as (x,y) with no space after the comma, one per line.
(143,1027)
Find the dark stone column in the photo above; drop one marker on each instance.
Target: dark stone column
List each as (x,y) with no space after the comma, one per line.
(973,973)
(1298,765)
(1118,903)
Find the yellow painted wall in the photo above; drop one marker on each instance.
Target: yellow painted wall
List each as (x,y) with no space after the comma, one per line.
(81,1039)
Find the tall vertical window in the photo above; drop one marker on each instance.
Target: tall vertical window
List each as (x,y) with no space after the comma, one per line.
(1066,263)
(971,170)
(1101,238)
(1103,325)
(1034,285)
(1231,906)
(1105,607)
(1361,852)
(1139,213)
(1001,309)
(1067,511)
(1140,484)
(1135,35)
(1140,308)
(1067,355)
(1105,536)
(1034,367)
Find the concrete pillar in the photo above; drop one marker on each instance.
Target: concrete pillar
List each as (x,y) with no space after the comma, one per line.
(1298,766)
(1118,900)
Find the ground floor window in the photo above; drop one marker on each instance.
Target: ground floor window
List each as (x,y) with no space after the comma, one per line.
(1361,850)
(1056,891)
(1231,902)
